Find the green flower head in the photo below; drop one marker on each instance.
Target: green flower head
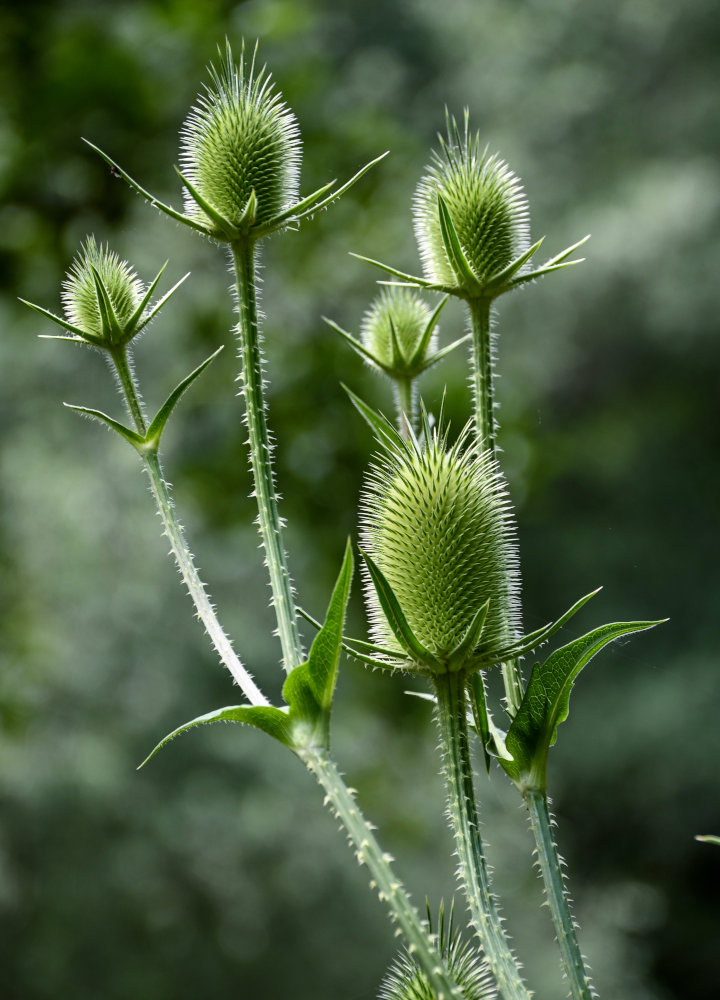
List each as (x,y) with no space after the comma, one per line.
(438,524)
(400,315)
(486,204)
(240,142)
(95,271)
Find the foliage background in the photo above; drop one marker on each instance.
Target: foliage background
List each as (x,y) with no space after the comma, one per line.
(195,876)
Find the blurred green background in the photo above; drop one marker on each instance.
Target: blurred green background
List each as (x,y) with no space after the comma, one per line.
(215,872)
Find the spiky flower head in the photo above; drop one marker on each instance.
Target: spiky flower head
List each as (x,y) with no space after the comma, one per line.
(406,980)
(438,523)
(394,327)
(486,204)
(95,269)
(241,141)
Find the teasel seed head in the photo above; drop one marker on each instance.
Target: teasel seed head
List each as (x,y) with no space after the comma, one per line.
(437,522)
(97,265)
(395,324)
(486,204)
(239,144)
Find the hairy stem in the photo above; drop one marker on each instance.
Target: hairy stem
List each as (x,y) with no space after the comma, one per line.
(405,404)
(482,375)
(178,544)
(571,956)
(452,717)
(269,520)
(390,890)
(482,378)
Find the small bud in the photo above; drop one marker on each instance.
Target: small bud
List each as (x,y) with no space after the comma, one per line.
(97,265)
(438,523)
(486,204)
(393,329)
(240,147)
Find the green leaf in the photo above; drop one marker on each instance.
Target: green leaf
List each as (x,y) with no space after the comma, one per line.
(411,279)
(135,439)
(501,277)
(155,202)
(547,702)
(355,344)
(223,224)
(427,335)
(156,308)
(273,721)
(78,334)
(707,838)
(453,248)
(110,323)
(334,195)
(309,688)
(132,323)
(469,642)
(382,428)
(154,432)
(478,704)
(397,620)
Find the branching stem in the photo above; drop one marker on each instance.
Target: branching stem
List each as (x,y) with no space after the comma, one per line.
(452,718)
(571,956)
(269,520)
(175,535)
(390,890)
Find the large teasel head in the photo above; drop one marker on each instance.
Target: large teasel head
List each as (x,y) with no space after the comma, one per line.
(241,147)
(486,206)
(442,580)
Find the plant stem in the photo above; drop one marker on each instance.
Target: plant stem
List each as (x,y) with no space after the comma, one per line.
(406,405)
(482,375)
(269,520)
(571,956)
(178,544)
(486,436)
(390,890)
(452,717)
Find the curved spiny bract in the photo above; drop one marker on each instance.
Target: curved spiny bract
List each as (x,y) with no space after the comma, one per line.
(80,289)
(241,140)
(438,522)
(486,203)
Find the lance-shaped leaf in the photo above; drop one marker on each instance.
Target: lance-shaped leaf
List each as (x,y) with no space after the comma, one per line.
(112,330)
(708,838)
(424,341)
(77,333)
(359,649)
(135,439)
(273,721)
(382,428)
(397,620)
(547,702)
(155,202)
(309,206)
(456,255)
(556,263)
(411,279)
(228,230)
(304,722)
(469,642)
(501,278)
(131,329)
(154,432)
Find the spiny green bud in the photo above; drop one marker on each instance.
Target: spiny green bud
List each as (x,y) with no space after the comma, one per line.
(393,329)
(438,523)
(96,265)
(486,204)
(240,147)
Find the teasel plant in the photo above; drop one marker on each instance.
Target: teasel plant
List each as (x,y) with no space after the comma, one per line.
(440,540)
(240,158)
(440,561)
